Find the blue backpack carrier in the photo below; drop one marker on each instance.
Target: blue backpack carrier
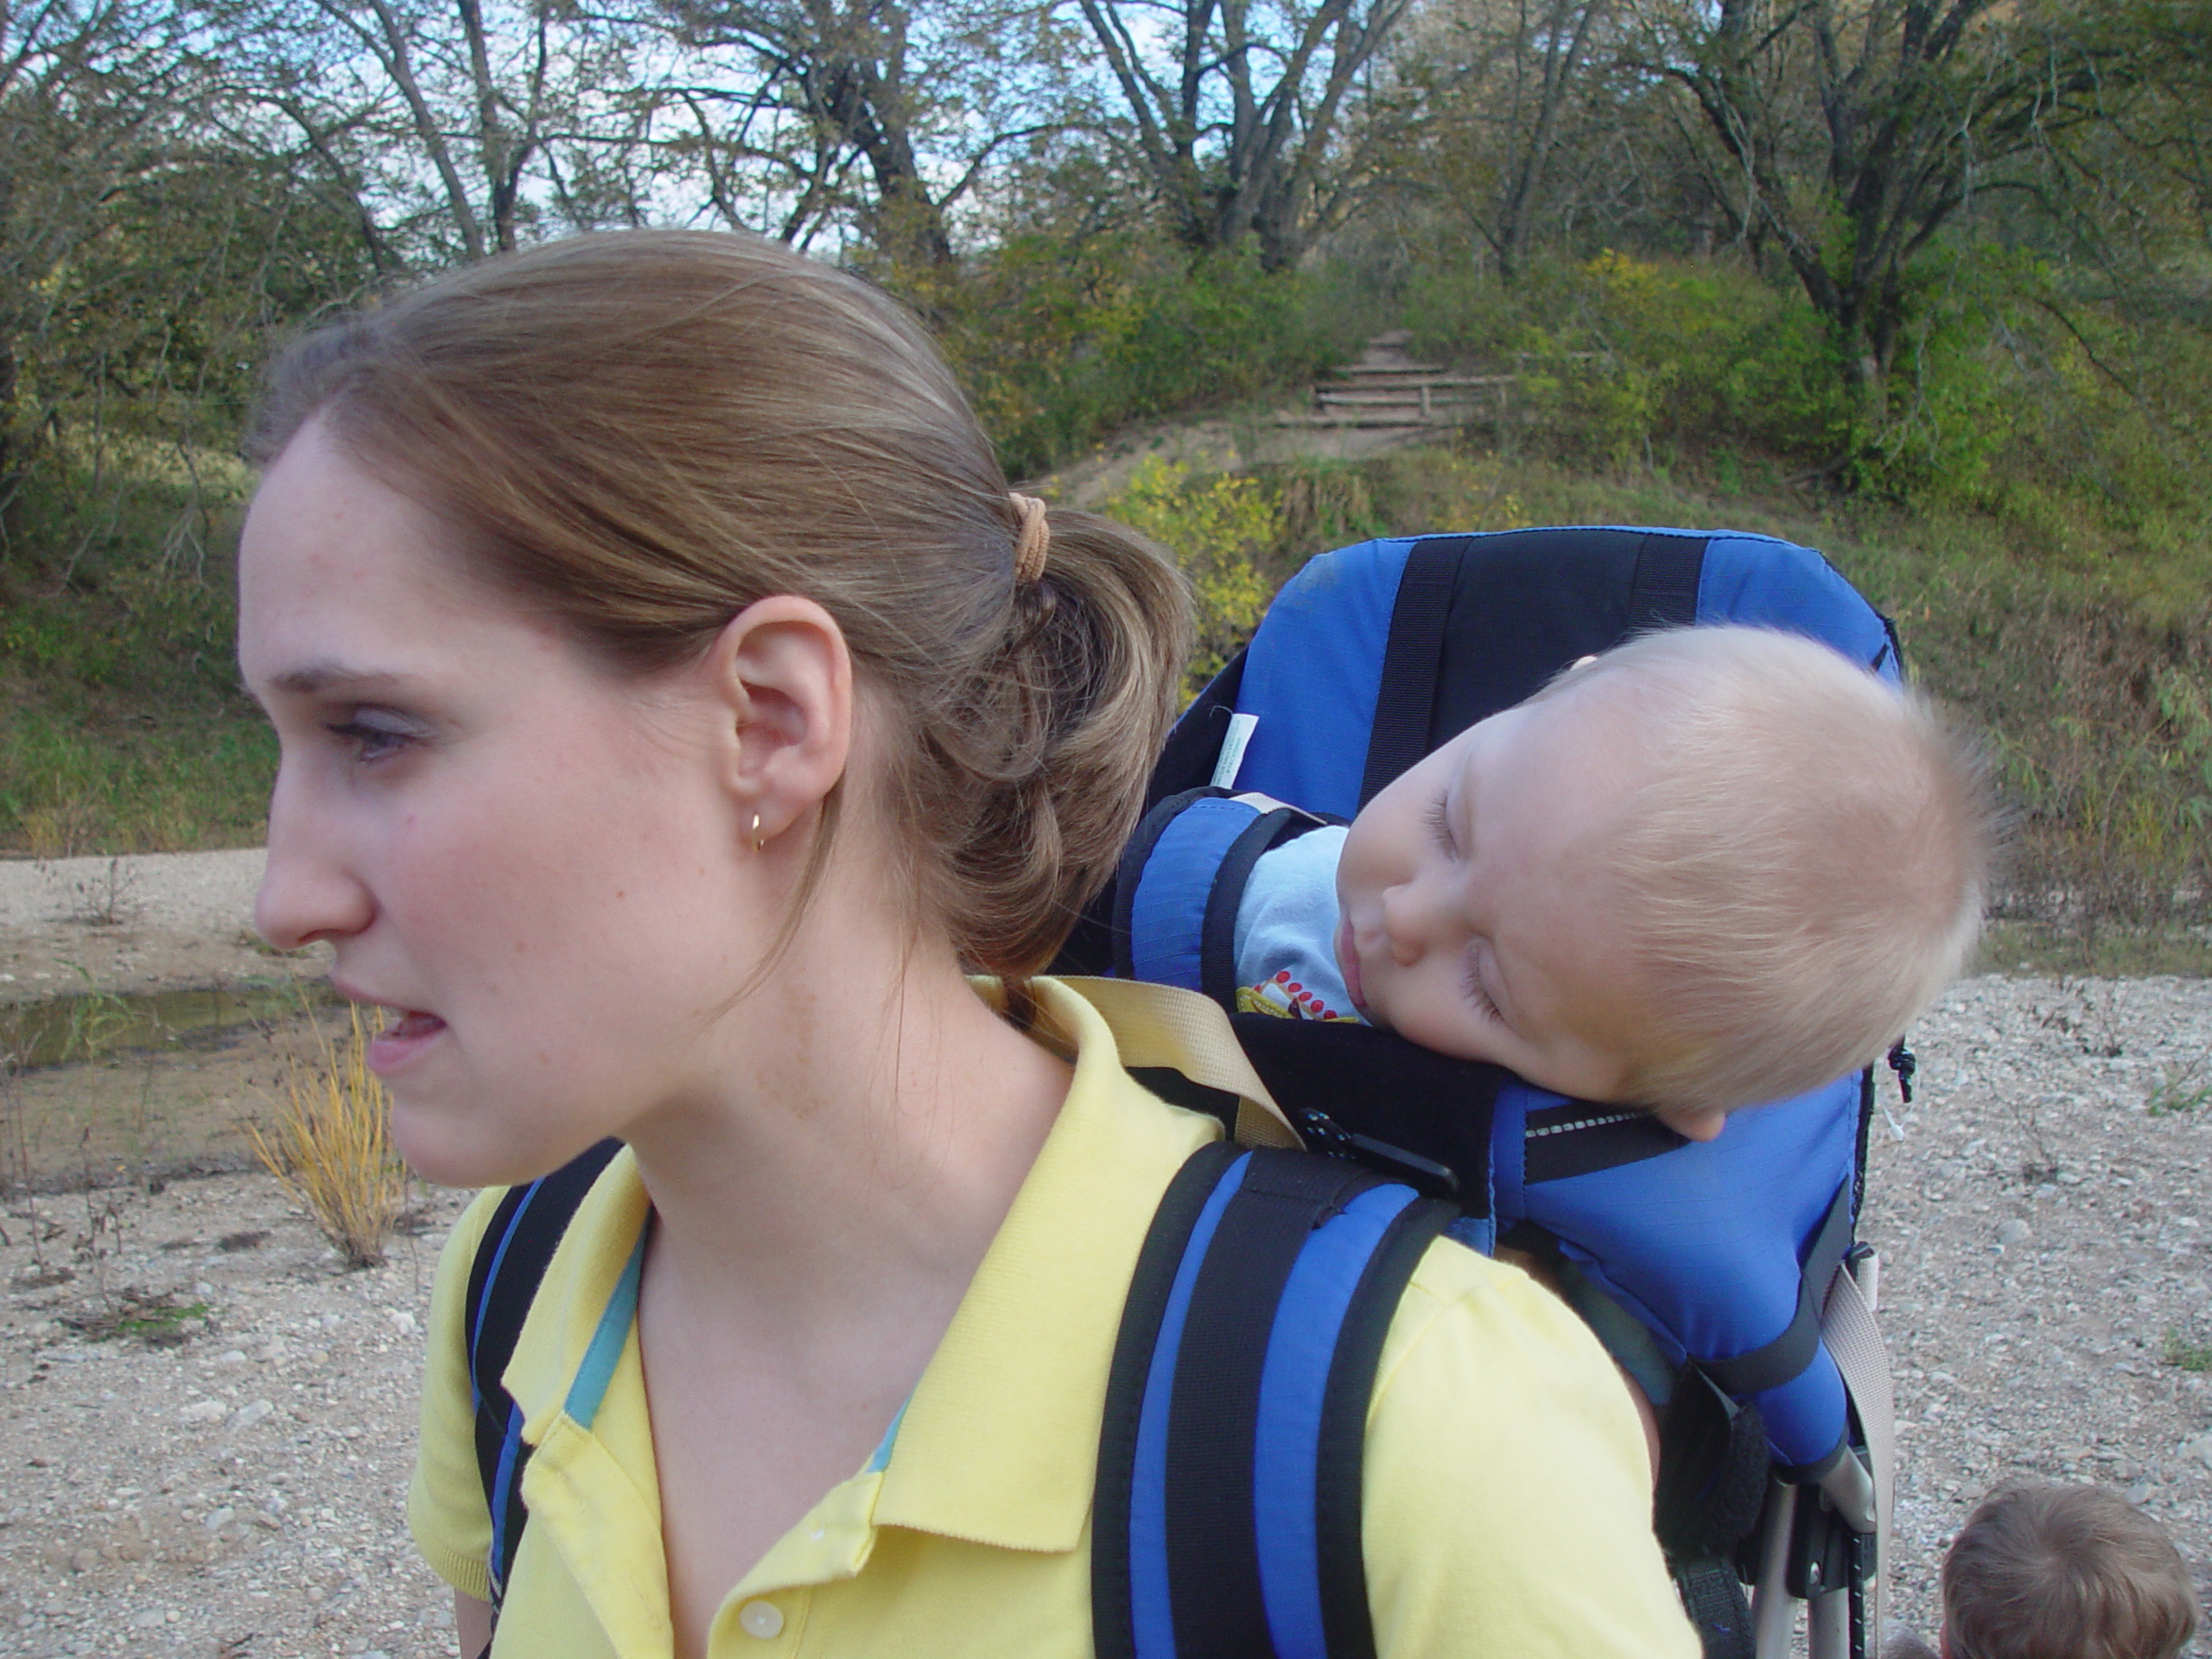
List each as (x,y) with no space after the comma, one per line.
(1706,1268)
(1227,1519)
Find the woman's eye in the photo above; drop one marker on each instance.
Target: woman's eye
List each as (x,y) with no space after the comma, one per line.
(1440,821)
(369,743)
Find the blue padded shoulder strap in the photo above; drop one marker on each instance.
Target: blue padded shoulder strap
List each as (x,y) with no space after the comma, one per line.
(1180,880)
(1705,1243)
(1227,1517)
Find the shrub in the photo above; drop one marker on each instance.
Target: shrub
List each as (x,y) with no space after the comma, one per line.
(1059,340)
(1217,528)
(332,1150)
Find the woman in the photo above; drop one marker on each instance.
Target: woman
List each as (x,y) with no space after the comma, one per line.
(674,709)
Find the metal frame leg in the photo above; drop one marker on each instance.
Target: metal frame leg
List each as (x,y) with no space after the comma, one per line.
(1774,1610)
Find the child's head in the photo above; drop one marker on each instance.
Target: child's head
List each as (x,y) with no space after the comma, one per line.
(2042,1570)
(1713,867)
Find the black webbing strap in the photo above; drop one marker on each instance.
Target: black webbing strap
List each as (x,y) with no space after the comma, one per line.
(1662,594)
(1790,1353)
(1406,700)
(1217,931)
(1581,1138)
(1213,1556)
(512,1258)
(1112,1634)
(1339,1493)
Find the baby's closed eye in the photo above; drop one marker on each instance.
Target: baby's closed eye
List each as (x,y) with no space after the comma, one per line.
(1480,998)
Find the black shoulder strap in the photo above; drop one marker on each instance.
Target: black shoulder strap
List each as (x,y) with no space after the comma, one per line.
(1480,622)
(1662,592)
(1218,1523)
(511,1259)
(1412,659)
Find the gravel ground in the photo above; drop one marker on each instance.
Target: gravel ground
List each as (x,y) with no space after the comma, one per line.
(145,922)
(237,1495)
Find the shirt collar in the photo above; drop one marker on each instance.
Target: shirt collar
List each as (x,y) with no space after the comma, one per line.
(999,1443)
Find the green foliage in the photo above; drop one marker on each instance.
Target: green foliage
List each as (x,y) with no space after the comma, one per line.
(2183,1089)
(1623,360)
(122,727)
(1215,527)
(1059,341)
(2185,1355)
(2041,425)
(1324,503)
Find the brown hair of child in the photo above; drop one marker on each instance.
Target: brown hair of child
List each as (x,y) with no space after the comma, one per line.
(641,433)
(2048,1571)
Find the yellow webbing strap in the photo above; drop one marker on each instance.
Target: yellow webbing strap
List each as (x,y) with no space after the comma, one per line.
(1160,1024)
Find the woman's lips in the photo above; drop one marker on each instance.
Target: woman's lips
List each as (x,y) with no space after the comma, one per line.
(398,1043)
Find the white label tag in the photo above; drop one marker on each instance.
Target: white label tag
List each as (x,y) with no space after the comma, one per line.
(1241,727)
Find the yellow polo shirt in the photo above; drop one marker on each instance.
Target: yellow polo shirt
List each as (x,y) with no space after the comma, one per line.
(1507,1491)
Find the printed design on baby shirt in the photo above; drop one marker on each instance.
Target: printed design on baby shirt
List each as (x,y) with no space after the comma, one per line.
(1286,999)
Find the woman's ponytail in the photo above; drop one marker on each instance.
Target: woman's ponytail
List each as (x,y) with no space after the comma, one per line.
(1078,700)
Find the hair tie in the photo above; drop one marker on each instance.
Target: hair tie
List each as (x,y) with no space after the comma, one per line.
(1034,538)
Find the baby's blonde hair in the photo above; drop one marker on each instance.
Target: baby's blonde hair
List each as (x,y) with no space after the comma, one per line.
(1798,870)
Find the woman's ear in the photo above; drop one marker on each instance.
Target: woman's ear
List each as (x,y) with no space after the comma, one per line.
(782,672)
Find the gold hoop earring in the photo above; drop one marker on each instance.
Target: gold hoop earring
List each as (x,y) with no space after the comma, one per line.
(759,841)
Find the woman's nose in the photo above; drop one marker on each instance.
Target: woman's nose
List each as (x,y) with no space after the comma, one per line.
(307,892)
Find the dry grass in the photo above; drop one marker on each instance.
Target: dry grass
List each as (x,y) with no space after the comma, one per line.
(331,1148)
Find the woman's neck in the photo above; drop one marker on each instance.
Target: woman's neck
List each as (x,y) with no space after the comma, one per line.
(869,1143)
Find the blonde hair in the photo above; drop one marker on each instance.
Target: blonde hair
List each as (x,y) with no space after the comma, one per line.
(2045,1571)
(643,432)
(1798,870)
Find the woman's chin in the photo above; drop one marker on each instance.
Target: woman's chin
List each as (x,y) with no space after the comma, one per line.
(432,1147)
(425,1140)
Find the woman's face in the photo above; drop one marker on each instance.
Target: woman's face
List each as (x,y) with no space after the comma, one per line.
(532,865)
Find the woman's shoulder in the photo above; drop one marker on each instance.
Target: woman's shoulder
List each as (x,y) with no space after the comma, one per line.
(1476,1330)
(1508,1483)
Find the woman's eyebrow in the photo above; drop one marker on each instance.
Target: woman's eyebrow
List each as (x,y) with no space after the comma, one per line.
(313,678)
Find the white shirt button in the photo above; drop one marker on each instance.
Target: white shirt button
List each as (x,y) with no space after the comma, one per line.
(761,1618)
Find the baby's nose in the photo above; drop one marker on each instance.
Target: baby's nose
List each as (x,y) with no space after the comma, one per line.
(1401,923)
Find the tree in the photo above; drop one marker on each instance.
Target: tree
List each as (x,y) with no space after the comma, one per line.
(871,115)
(90,93)
(1490,92)
(450,126)
(1234,109)
(1859,129)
